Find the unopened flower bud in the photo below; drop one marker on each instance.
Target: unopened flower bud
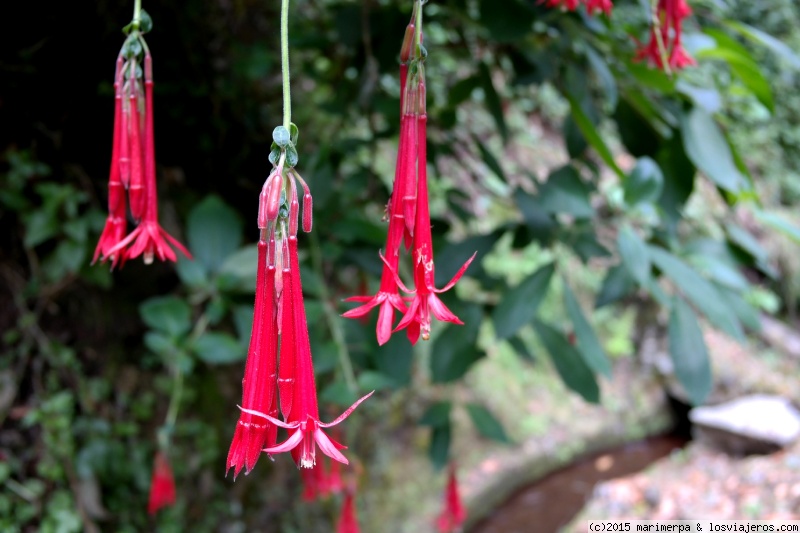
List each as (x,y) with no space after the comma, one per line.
(307,212)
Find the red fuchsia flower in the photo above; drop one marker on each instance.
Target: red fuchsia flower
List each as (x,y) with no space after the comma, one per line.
(348,521)
(162,486)
(303,423)
(665,40)
(400,203)
(149,239)
(417,317)
(296,382)
(453,514)
(259,386)
(116,224)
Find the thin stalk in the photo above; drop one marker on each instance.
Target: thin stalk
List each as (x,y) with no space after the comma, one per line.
(175,399)
(418,31)
(137,13)
(332,318)
(287,97)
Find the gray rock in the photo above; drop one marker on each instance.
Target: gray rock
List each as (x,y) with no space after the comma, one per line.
(751,424)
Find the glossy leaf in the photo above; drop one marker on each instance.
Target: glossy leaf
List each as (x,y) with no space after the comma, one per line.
(218,348)
(486,423)
(565,192)
(454,350)
(166,313)
(688,351)
(592,136)
(697,289)
(493,102)
(645,182)
(708,149)
(588,344)
(214,231)
(437,415)
(572,368)
(519,304)
(617,284)
(634,255)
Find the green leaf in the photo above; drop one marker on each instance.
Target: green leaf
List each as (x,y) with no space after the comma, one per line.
(697,289)
(607,80)
(486,423)
(588,344)
(243,322)
(746,313)
(158,343)
(617,284)
(40,226)
(437,415)
(218,348)
(493,102)
(240,269)
(439,450)
(281,136)
(214,232)
(462,90)
(688,351)
(765,39)
(592,135)
(145,22)
(192,273)
(291,156)
(574,371)
(490,160)
(454,350)
(565,192)
(679,176)
(708,149)
(645,182)
(166,313)
(573,137)
(745,69)
(634,255)
(294,133)
(453,255)
(519,305)
(586,245)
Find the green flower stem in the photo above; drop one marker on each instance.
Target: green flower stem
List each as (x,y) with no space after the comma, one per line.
(332,318)
(137,13)
(287,97)
(418,31)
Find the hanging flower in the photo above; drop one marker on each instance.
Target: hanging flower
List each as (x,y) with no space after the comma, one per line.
(296,385)
(453,514)
(408,209)
(348,521)
(149,239)
(133,165)
(402,200)
(162,486)
(425,302)
(665,48)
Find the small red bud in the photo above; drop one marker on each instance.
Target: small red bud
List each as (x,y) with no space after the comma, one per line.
(307,212)
(274,194)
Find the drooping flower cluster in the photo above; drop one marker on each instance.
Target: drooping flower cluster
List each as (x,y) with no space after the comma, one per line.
(592,6)
(665,46)
(133,164)
(279,313)
(453,514)
(162,485)
(408,212)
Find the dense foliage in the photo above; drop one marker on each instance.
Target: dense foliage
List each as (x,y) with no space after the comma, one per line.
(647,205)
